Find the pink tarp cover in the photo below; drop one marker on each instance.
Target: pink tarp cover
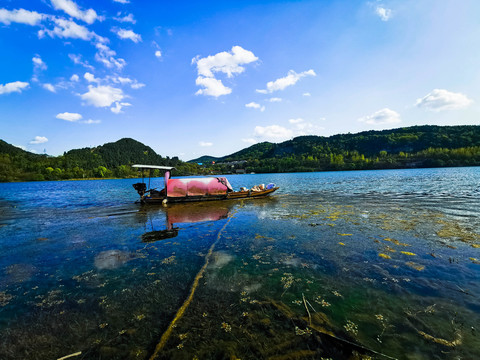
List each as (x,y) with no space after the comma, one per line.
(197,187)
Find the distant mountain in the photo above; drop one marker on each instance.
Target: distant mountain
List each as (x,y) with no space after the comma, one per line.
(205,159)
(369,143)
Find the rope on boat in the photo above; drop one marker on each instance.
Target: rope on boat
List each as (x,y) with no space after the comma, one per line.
(188,300)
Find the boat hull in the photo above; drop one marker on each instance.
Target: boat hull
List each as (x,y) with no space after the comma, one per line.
(229,196)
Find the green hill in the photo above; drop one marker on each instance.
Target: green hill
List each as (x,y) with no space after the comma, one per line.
(416,146)
(105,161)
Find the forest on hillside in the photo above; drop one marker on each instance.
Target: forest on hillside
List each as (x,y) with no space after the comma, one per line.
(412,147)
(112,160)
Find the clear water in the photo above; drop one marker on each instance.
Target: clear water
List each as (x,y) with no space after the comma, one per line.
(334,265)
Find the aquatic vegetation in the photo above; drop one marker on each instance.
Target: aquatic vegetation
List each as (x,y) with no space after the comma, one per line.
(415,265)
(453,343)
(301,332)
(5,298)
(268,277)
(395,241)
(322,302)
(287,280)
(169,260)
(351,327)
(226,327)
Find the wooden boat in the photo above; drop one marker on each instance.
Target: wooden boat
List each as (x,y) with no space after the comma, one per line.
(192,188)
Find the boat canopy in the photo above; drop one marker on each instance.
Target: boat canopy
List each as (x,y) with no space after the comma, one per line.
(166,168)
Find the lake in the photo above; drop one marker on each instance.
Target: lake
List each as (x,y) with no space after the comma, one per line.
(367,264)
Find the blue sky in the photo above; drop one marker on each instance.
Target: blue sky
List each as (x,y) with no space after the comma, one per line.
(190,78)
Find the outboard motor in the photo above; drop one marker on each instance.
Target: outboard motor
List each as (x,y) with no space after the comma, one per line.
(140,187)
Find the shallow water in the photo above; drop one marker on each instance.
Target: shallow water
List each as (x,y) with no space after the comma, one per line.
(335,265)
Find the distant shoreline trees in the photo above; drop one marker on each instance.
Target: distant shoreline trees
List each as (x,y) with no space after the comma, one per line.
(413,147)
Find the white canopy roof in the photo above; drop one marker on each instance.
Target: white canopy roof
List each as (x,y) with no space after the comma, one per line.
(167,168)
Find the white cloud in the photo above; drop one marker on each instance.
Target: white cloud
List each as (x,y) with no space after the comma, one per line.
(254,105)
(205,144)
(296,121)
(67,29)
(39,140)
(77,59)
(158,54)
(102,96)
(274,99)
(49,87)
(106,56)
(306,94)
(212,87)
(273,132)
(229,63)
(289,80)
(16,86)
(127,18)
(90,78)
(72,9)
(380,117)
(249,141)
(137,85)
(74,78)
(117,109)
(440,99)
(225,62)
(384,13)
(69,116)
(298,127)
(38,63)
(302,127)
(134,84)
(20,16)
(127,34)
(90,121)
(122,1)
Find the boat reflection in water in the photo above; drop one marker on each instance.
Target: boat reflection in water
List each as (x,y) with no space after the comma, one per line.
(182,213)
